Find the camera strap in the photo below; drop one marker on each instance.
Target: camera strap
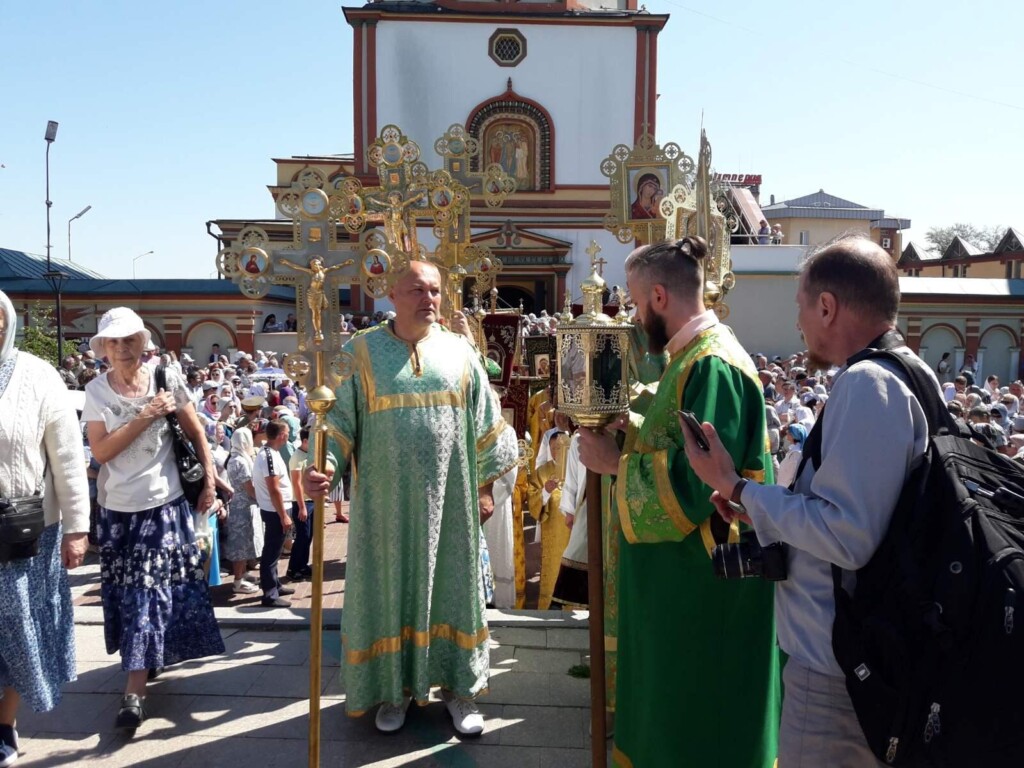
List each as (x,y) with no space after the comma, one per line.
(891,339)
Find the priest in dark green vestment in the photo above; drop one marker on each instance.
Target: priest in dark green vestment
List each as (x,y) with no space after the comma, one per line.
(698,667)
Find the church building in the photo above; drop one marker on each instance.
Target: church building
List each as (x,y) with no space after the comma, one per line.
(546,89)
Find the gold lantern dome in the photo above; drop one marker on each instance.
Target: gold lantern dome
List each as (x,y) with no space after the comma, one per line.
(593,383)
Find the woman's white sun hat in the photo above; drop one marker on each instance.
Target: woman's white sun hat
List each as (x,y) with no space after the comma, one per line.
(118,323)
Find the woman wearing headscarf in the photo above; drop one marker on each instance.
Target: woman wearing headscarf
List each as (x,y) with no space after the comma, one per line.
(41,446)
(156,603)
(794,436)
(244,541)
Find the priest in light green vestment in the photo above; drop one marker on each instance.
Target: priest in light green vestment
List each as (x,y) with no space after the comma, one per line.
(424,433)
(698,675)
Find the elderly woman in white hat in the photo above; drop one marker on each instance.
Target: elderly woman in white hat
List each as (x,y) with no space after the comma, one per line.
(42,454)
(156,604)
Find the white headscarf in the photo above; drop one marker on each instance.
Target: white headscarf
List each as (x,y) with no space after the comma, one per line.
(242,445)
(11,318)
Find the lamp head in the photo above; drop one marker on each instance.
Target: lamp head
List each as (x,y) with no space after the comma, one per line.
(51,131)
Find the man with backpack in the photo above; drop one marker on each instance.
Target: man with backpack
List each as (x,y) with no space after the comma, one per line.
(872,433)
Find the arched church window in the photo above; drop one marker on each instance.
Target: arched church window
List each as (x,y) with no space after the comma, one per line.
(507,47)
(516,134)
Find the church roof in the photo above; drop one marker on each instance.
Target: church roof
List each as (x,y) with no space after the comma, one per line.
(821,205)
(1013,240)
(18,265)
(917,253)
(961,287)
(959,249)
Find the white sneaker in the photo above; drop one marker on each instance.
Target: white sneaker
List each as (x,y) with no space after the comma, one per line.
(391,717)
(243,587)
(465,716)
(8,752)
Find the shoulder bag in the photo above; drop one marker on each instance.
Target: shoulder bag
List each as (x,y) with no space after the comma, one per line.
(190,470)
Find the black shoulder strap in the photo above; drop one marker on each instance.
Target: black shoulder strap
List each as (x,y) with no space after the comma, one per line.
(940,421)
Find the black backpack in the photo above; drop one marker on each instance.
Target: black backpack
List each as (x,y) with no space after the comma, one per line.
(929,640)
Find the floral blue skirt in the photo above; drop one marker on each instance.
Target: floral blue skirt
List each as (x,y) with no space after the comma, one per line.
(156,603)
(37,629)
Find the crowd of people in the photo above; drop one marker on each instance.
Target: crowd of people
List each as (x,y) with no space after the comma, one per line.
(429,553)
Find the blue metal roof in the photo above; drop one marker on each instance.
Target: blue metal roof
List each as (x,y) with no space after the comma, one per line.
(152,288)
(820,205)
(18,264)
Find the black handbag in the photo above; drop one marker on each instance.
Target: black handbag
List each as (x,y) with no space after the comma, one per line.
(190,471)
(21,525)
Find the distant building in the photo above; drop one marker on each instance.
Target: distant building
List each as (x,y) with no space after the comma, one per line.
(815,219)
(964,259)
(182,315)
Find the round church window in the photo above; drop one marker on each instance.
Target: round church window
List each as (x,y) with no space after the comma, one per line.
(507,47)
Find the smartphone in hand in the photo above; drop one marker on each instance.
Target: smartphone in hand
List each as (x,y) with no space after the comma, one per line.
(693,423)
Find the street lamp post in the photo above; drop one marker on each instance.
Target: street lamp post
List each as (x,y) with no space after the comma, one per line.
(54,277)
(147,253)
(78,215)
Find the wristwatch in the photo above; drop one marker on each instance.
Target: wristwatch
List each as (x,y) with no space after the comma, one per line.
(737,492)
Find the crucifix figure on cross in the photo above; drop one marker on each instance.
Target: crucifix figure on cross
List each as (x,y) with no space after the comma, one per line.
(316,299)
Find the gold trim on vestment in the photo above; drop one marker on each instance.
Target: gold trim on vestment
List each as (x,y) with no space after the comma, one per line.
(757,475)
(667,496)
(619,759)
(417,400)
(466,641)
(611,643)
(491,437)
(500,472)
(621,504)
(365,367)
(709,539)
(375,403)
(344,442)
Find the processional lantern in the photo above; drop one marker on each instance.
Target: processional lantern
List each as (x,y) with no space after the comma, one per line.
(593,383)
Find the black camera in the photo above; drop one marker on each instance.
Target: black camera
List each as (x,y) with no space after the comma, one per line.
(747,558)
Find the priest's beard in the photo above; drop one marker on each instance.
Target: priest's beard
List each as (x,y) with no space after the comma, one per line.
(657,333)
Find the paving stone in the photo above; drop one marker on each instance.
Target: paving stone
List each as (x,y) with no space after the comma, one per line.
(47,749)
(536,660)
(506,687)
(568,639)
(77,713)
(555,757)
(203,677)
(97,677)
(569,691)
(285,681)
(527,638)
(383,753)
(503,657)
(544,726)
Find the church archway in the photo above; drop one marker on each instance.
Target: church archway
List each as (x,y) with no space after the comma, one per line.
(511,295)
(998,343)
(938,339)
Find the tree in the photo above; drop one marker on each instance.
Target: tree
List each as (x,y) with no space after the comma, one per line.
(986,238)
(39,337)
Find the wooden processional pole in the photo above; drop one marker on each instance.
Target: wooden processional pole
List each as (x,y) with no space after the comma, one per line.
(595,578)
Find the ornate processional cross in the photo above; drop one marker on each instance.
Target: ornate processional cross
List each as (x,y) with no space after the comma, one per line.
(592,250)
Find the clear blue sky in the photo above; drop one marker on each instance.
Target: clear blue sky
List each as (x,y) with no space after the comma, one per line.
(170,113)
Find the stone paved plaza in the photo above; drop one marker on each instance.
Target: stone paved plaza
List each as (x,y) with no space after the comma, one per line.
(249,707)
